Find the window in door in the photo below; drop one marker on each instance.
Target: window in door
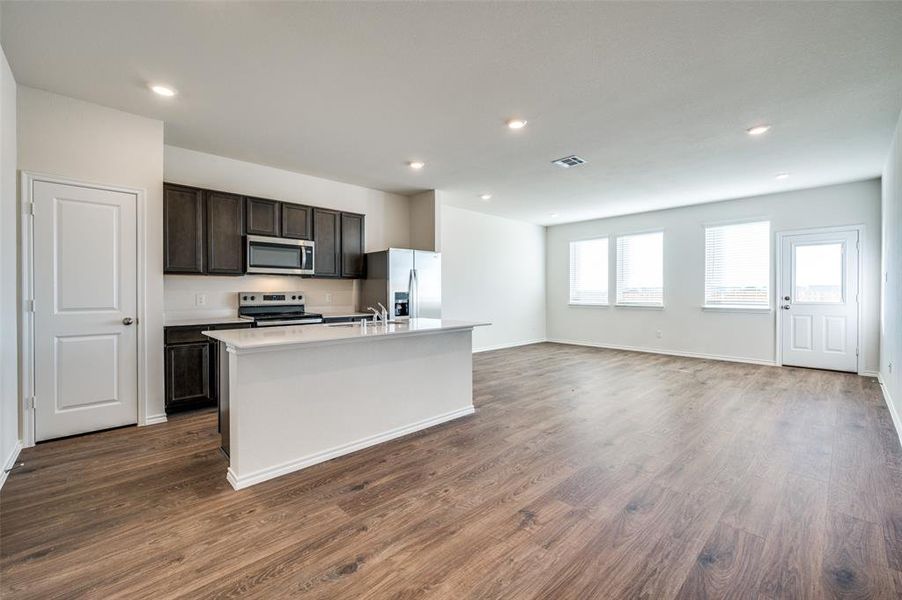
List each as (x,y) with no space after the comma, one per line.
(640,269)
(818,275)
(737,265)
(589,272)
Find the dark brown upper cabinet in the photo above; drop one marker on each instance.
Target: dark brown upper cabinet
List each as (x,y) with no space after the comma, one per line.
(204,232)
(352,245)
(297,221)
(224,234)
(183,229)
(327,236)
(264,217)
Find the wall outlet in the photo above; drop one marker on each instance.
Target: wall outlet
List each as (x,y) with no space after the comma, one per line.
(328,298)
(659,334)
(200,299)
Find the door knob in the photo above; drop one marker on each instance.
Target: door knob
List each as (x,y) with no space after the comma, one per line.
(127,321)
(785,307)
(786,298)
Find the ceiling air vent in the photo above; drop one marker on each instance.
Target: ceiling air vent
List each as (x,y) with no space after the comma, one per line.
(568,161)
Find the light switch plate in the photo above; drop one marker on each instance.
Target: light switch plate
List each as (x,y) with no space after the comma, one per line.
(200,300)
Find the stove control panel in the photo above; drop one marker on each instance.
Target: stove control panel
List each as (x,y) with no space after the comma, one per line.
(270,298)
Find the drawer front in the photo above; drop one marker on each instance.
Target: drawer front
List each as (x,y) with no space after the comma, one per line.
(185,335)
(346,319)
(191,334)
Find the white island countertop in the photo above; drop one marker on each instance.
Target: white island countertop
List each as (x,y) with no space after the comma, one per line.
(272,338)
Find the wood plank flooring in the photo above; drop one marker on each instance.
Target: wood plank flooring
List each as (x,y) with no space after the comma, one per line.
(584,473)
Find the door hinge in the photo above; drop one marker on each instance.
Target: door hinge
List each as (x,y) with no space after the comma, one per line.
(29,403)
(856,351)
(28,209)
(858,245)
(29,306)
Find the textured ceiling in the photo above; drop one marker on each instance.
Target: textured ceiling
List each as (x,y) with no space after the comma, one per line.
(655,96)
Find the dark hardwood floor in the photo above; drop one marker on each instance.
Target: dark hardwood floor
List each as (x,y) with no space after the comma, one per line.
(584,473)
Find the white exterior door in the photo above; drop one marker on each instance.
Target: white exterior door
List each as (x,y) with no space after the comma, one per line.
(819,300)
(85,301)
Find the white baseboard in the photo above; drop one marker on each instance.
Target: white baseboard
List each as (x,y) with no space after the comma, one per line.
(739,359)
(10,461)
(155,419)
(312,459)
(897,418)
(510,345)
(869,373)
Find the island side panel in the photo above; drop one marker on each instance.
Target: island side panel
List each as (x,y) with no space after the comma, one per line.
(294,407)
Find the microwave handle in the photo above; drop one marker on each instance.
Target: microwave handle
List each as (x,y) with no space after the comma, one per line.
(303,258)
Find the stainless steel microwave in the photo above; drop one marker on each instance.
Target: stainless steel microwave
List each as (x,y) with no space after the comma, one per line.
(279,256)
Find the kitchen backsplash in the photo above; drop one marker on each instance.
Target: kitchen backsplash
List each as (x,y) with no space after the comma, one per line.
(187,296)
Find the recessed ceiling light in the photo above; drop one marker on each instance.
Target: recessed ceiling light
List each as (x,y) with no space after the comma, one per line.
(782,176)
(758,129)
(416,165)
(516,123)
(162,90)
(553,215)
(485,197)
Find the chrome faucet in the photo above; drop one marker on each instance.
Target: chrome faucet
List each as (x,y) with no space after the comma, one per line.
(384,312)
(376,315)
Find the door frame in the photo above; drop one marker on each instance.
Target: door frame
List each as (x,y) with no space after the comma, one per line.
(26,292)
(778,274)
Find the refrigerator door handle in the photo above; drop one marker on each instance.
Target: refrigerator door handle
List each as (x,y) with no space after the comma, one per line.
(415,312)
(410,306)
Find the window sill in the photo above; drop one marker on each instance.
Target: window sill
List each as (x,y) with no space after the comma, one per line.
(645,306)
(739,309)
(587,305)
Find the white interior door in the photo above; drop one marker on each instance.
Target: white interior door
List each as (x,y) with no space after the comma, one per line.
(819,300)
(85,301)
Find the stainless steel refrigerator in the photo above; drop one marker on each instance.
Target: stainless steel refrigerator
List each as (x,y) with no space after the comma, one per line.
(408,282)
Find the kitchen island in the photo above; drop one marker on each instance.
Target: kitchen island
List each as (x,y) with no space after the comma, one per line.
(292,397)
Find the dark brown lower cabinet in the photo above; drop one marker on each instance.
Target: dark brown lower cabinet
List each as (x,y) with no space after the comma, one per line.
(192,366)
(188,381)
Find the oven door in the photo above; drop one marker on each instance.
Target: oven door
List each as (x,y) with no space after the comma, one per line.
(279,256)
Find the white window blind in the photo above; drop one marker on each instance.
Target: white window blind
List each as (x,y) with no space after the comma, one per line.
(640,269)
(589,272)
(737,265)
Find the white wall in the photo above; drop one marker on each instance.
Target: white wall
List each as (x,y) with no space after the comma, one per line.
(685,327)
(9,323)
(62,136)
(387,224)
(891,322)
(493,270)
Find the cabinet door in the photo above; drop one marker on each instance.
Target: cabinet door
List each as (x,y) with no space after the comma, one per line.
(225,230)
(352,244)
(188,376)
(264,217)
(327,236)
(183,229)
(297,221)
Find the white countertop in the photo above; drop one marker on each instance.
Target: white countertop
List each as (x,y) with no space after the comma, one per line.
(201,320)
(276,337)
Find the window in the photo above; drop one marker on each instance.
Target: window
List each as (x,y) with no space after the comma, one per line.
(737,265)
(640,269)
(589,272)
(818,273)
